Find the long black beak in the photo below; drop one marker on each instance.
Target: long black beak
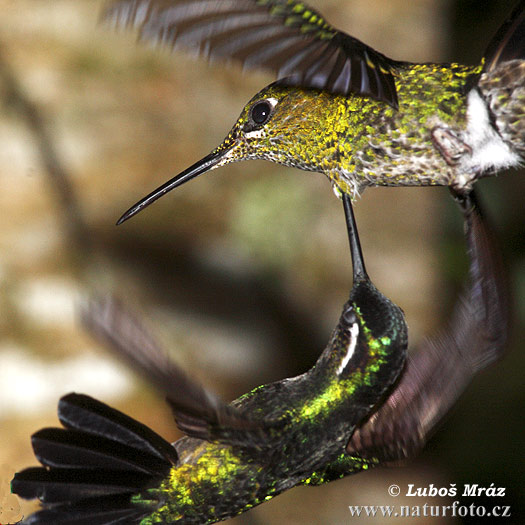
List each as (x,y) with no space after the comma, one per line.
(206,164)
(358,261)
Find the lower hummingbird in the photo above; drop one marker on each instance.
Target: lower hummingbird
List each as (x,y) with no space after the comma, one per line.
(340,107)
(360,406)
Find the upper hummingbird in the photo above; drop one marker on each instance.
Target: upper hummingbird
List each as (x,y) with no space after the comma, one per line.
(361,405)
(340,107)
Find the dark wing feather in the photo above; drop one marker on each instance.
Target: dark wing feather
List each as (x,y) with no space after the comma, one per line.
(265,34)
(436,375)
(509,41)
(198,412)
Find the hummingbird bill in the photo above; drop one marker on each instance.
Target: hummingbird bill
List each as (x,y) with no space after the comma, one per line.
(338,106)
(363,404)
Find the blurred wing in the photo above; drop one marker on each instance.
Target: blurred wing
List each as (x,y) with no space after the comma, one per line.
(285,37)
(198,412)
(509,41)
(440,370)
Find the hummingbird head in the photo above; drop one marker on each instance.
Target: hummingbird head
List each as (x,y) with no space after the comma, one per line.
(288,125)
(285,125)
(372,331)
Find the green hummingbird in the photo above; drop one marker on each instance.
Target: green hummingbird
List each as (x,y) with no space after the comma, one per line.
(341,108)
(350,412)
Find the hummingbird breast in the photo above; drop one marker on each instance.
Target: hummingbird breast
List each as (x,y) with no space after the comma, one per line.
(427,141)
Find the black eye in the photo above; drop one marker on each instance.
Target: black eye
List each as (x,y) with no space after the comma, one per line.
(260,112)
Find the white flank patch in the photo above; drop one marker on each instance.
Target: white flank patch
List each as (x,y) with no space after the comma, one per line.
(354,332)
(488,149)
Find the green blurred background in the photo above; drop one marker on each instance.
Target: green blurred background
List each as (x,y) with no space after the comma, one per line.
(243,272)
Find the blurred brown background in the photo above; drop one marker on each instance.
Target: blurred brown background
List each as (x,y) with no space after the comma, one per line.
(243,272)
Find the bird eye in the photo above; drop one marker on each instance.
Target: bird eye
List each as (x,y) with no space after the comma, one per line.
(260,112)
(349,316)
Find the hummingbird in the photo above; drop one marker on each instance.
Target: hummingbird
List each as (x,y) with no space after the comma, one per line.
(361,405)
(234,456)
(338,106)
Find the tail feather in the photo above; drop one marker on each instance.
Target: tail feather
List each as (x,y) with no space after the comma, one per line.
(113,510)
(60,448)
(92,467)
(83,413)
(53,486)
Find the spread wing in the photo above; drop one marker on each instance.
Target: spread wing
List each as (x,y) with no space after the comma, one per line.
(286,37)
(197,411)
(437,374)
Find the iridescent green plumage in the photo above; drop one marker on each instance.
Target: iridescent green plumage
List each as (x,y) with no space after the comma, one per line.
(340,107)
(317,412)
(305,422)
(237,456)
(361,119)
(345,415)
(358,142)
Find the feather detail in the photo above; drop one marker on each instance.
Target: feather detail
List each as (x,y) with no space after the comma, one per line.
(197,411)
(285,37)
(94,466)
(509,41)
(442,367)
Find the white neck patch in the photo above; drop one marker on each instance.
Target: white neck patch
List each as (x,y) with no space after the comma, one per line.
(488,149)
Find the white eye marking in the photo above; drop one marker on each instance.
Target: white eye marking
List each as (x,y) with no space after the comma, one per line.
(258,133)
(354,332)
(273,101)
(255,134)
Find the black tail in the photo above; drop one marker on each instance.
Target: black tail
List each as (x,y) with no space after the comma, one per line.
(93,466)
